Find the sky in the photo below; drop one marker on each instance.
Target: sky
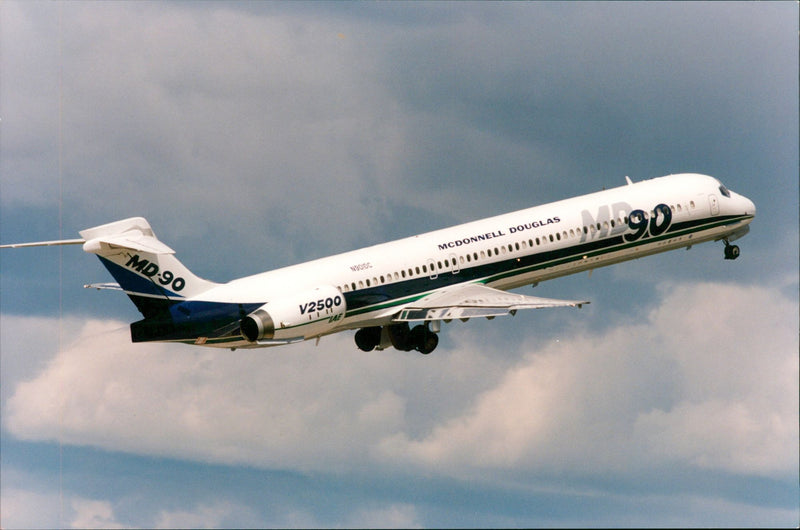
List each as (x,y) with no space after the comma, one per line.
(257,135)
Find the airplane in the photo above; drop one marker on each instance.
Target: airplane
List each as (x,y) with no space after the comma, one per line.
(380,291)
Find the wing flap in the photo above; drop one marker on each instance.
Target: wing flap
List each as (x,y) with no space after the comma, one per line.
(474,300)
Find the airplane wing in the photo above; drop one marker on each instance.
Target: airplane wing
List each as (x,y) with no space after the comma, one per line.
(474,300)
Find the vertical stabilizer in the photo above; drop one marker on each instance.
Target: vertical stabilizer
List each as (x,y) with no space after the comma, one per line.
(145,268)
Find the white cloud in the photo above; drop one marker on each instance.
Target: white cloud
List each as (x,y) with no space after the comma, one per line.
(22,508)
(708,379)
(32,508)
(300,406)
(212,515)
(393,516)
(90,513)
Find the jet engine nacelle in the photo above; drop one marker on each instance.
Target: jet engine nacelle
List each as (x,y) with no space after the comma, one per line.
(307,314)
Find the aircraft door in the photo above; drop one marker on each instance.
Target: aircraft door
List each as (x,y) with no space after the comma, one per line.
(713,203)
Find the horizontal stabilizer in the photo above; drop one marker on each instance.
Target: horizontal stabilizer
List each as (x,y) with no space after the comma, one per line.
(99,286)
(46,243)
(132,234)
(131,241)
(474,300)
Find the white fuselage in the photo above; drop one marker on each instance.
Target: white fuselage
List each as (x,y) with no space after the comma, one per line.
(511,250)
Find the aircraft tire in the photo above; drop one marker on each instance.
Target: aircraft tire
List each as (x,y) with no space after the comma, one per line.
(368,338)
(400,335)
(731,251)
(425,340)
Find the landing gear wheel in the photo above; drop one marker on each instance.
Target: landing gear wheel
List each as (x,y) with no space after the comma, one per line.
(368,338)
(401,336)
(429,342)
(423,339)
(731,251)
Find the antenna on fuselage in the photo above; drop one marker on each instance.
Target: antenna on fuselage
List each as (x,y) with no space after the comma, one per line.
(628,179)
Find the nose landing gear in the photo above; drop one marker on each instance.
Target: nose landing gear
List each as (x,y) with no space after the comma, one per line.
(731,251)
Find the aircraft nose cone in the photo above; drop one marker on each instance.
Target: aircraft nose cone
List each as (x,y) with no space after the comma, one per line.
(750,207)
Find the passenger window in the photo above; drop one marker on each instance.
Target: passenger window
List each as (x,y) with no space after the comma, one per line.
(424,268)
(558,236)
(383,280)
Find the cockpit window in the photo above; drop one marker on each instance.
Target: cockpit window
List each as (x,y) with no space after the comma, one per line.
(723,190)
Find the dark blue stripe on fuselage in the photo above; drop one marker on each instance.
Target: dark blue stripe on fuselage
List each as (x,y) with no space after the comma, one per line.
(364,299)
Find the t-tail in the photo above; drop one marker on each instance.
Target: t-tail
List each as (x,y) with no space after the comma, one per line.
(144,267)
(169,296)
(177,305)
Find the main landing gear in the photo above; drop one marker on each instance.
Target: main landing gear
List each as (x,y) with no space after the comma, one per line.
(731,251)
(400,336)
